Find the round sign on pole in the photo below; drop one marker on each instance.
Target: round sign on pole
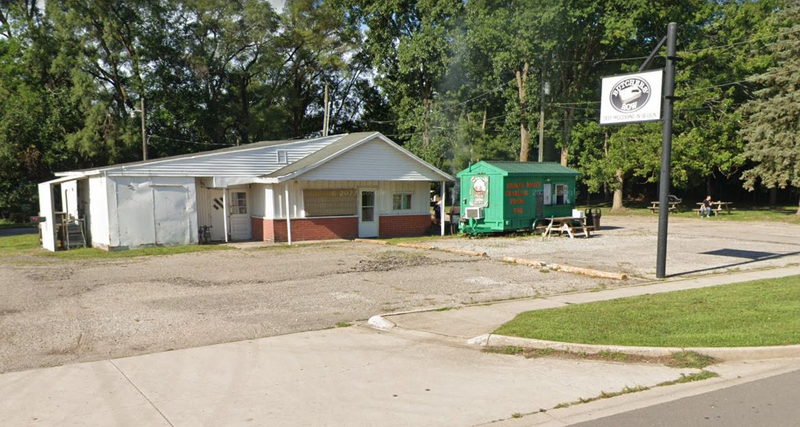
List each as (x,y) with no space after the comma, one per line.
(631,98)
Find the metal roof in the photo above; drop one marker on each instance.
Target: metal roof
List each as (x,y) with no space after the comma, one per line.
(271,160)
(525,168)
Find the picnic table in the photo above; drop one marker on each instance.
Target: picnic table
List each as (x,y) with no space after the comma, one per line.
(564,224)
(673,206)
(717,207)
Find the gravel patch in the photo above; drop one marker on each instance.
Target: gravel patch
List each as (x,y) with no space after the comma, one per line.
(56,312)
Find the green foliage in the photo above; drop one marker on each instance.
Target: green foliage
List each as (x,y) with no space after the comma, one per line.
(772,124)
(454,81)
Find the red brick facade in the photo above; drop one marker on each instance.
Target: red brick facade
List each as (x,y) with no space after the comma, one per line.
(269,230)
(404,225)
(305,229)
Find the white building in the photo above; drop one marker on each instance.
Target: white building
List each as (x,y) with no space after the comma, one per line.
(340,186)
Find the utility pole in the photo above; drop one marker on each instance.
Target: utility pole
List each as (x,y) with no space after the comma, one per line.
(545,90)
(144,131)
(325,113)
(666,151)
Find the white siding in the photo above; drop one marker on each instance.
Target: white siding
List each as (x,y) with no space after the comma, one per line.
(98,211)
(243,163)
(420,196)
(258,204)
(373,161)
(46,210)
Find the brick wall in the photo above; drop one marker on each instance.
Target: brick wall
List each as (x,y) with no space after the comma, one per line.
(404,225)
(306,229)
(269,230)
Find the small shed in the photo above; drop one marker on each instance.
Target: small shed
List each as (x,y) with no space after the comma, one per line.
(332,187)
(499,196)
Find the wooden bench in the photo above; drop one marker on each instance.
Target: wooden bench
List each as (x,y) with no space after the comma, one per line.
(673,207)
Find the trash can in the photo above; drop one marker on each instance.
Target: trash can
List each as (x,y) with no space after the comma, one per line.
(595,219)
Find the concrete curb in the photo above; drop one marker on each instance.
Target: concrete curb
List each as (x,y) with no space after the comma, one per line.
(567,268)
(373,241)
(721,353)
(380,323)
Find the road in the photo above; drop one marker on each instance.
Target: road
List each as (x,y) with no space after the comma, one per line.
(766,402)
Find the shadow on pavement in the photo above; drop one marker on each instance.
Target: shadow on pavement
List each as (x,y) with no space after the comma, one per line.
(751,256)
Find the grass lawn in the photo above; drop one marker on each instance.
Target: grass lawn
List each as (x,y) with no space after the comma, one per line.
(758,313)
(28,245)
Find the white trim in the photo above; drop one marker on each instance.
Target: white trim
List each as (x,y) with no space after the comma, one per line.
(288,216)
(225,213)
(441,209)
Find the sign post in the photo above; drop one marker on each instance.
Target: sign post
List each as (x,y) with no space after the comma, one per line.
(636,98)
(666,151)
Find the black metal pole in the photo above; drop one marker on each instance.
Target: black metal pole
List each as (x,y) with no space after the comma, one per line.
(666,151)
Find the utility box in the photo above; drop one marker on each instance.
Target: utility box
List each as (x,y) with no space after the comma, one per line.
(498,196)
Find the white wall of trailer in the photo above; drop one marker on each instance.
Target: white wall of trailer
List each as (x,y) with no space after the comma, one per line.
(148,211)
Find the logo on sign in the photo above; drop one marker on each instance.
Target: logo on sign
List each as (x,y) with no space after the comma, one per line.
(630,94)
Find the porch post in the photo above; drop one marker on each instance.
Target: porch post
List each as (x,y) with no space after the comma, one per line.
(288,215)
(441,210)
(225,212)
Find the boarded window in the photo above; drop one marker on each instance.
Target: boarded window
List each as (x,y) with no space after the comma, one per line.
(401,201)
(342,202)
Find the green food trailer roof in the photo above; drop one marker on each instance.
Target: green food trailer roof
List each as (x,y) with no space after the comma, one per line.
(519,168)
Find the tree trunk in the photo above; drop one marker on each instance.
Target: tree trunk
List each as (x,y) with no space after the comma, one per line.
(483,123)
(617,204)
(798,207)
(569,117)
(244,119)
(773,196)
(524,130)
(426,122)
(709,187)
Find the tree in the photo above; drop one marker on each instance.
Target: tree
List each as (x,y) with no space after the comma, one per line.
(772,118)
(410,43)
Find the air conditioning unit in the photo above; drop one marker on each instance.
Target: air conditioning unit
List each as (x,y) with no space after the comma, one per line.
(473,213)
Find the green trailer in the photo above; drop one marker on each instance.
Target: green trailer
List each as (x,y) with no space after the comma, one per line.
(500,196)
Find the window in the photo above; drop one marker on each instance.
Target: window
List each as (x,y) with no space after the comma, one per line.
(283,157)
(239,203)
(401,201)
(341,202)
(561,194)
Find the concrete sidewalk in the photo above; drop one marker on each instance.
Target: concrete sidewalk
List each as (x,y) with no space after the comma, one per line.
(471,321)
(347,376)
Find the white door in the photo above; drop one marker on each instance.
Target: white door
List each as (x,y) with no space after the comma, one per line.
(239,217)
(173,226)
(367,213)
(217,219)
